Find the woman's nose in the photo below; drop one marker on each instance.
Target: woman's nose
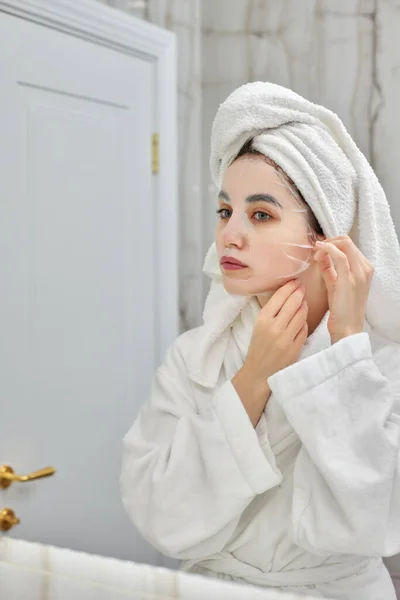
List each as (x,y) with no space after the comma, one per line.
(234,233)
(233,237)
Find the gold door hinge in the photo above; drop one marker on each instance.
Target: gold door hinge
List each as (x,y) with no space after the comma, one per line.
(155,157)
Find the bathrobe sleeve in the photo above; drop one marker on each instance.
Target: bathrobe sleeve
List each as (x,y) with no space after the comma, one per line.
(189,471)
(346,496)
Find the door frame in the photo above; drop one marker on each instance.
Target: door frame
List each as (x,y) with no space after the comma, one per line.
(92,21)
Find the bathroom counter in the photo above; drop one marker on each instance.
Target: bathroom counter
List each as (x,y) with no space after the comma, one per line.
(32,571)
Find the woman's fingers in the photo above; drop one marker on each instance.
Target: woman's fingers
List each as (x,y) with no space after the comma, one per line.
(358,264)
(326,264)
(279,298)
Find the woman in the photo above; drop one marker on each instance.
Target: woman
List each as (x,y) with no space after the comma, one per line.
(268,450)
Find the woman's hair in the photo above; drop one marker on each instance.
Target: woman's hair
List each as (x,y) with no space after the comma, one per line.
(311,218)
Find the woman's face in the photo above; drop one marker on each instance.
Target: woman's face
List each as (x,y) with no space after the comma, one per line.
(261,224)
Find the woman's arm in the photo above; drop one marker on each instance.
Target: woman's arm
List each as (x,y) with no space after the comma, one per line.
(347,475)
(253,397)
(189,471)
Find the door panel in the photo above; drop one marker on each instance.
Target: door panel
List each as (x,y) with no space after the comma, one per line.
(78,336)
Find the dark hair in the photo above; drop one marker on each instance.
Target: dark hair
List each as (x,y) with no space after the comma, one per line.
(311,218)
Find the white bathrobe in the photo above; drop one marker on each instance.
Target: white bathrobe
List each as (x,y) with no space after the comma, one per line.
(308,501)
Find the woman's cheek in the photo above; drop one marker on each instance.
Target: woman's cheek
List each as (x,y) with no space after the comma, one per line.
(275,264)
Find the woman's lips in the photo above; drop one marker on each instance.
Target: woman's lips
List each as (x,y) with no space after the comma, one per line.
(232,267)
(231,264)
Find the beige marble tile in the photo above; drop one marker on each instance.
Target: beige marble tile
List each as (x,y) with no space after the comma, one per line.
(225,58)
(168,13)
(384,122)
(344,49)
(225,15)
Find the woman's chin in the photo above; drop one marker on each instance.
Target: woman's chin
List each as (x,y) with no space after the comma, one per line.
(247,288)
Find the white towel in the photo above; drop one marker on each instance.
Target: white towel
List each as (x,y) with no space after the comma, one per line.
(313,147)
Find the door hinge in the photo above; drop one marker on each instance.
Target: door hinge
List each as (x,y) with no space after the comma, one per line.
(155,157)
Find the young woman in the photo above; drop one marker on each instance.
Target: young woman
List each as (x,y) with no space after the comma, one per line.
(268,450)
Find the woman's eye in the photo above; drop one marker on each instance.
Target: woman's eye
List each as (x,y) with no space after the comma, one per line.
(263,216)
(221,212)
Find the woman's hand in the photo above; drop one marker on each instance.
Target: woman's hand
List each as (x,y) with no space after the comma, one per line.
(347,275)
(279,334)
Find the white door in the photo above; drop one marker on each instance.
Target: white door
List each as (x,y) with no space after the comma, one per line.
(78,338)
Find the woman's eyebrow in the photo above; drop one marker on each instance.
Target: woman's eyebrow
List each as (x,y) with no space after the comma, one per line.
(222,195)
